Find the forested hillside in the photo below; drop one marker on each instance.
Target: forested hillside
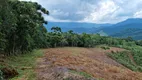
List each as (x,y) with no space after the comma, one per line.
(135,33)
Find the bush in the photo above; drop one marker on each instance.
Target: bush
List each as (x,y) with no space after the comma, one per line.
(112,52)
(105,47)
(140,68)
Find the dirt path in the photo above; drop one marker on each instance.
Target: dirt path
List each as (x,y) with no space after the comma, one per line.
(58,64)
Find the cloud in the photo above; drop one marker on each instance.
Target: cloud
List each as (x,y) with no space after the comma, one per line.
(138,14)
(103,12)
(49,18)
(95,11)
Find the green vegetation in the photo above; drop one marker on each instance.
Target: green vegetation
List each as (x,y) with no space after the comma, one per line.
(100,79)
(21,27)
(135,33)
(24,64)
(131,59)
(86,75)
(123,58)
(57,38)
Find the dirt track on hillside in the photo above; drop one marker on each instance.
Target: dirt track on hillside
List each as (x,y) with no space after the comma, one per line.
(57,63)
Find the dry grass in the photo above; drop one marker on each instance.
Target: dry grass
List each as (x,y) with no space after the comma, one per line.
(89,64)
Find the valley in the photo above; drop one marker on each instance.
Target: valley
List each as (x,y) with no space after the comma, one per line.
(120,29)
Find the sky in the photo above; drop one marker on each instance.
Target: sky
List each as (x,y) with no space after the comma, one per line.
(91,11)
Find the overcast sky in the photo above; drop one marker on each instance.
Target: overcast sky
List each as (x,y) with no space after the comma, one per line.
(94,11)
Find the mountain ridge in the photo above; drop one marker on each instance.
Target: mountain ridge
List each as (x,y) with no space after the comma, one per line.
(107,29)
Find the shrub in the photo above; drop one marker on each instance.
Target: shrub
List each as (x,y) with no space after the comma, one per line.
(112,52)
(140,68)
(105,47)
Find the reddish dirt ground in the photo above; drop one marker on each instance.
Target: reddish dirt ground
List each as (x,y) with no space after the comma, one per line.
(57,62)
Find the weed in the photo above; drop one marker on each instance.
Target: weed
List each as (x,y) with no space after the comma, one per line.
(105,47)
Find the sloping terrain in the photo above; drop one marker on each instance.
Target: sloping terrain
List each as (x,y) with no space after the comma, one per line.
(82,64)
(135,33)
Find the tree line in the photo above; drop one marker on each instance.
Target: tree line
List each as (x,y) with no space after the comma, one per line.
(57,38)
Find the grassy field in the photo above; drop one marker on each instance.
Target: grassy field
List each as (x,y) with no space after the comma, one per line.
(24,64)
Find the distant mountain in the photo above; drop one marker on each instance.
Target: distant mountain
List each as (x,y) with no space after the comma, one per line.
(130,27)
(121,26)
(76,26)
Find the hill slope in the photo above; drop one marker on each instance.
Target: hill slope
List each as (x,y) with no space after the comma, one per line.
(135,33)
(82,64)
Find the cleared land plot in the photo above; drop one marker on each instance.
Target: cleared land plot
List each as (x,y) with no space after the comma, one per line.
(82,64)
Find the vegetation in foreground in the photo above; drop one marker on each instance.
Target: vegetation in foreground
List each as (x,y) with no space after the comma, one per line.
(24,64)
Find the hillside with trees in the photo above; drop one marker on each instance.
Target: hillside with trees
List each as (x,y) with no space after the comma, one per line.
(24,39)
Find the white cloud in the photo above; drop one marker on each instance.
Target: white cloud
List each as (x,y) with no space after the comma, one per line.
(49,18)
(103,11)
(138,14)
(96,11)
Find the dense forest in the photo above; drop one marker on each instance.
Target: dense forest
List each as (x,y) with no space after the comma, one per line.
(22,30)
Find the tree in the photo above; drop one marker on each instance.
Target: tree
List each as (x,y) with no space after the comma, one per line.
(7,21)
(56,29)
(55,36)
(63,41)
(21,27)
